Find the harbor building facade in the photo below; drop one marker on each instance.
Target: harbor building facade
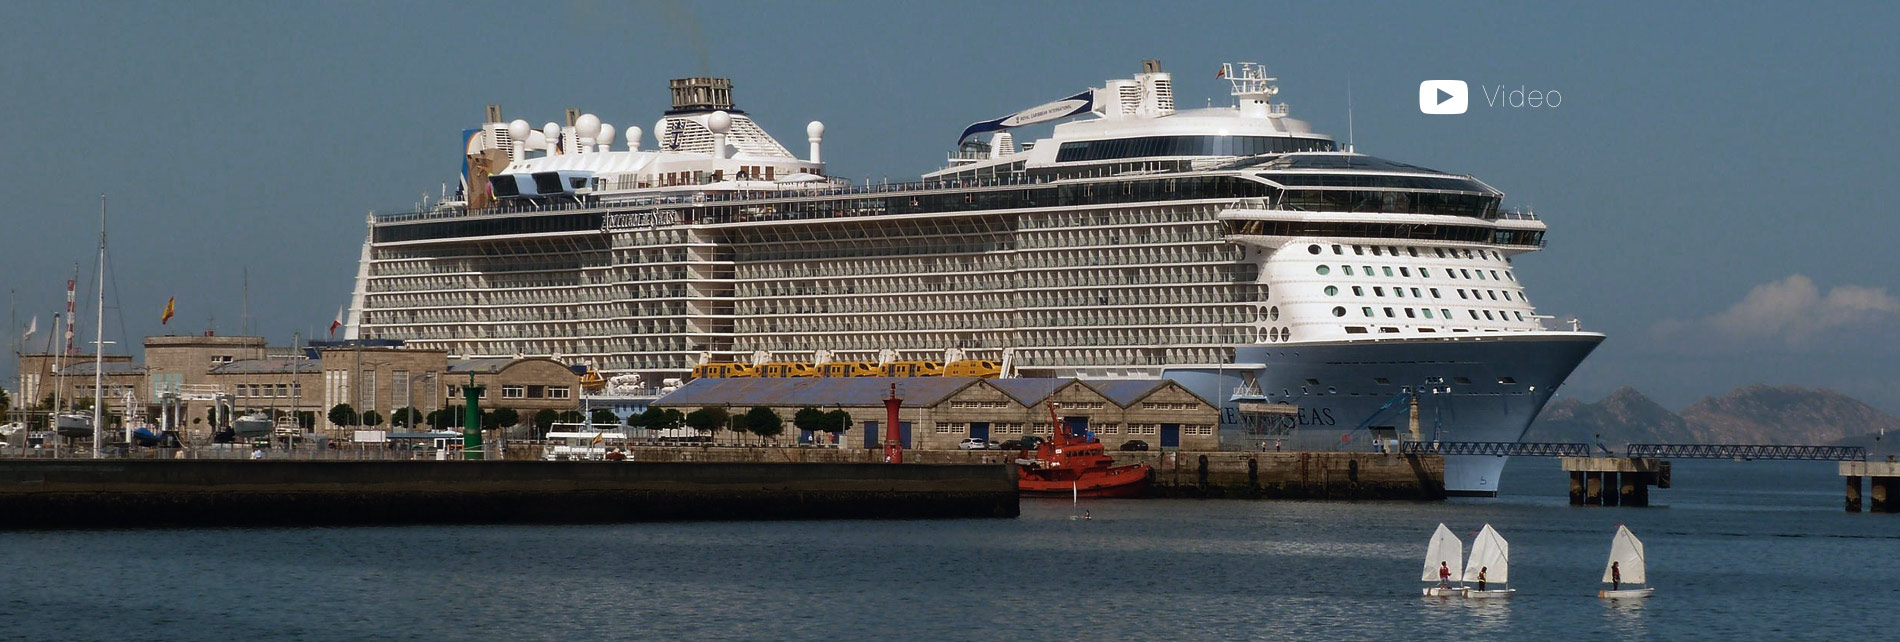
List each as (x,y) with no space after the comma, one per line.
(938,413)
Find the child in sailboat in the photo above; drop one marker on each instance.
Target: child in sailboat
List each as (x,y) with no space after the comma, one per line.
(1444,575)
(1481,571)
(1616,576)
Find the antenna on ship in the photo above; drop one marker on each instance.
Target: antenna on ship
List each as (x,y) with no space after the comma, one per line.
(1350,146)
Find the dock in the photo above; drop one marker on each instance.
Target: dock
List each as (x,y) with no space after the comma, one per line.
(1614,481)
(1883,479)
(194,493)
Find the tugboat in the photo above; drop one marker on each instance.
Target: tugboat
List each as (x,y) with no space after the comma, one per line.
(1077,465)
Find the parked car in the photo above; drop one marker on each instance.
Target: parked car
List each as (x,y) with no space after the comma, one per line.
(1013,444)
(975,443)
(1134,444)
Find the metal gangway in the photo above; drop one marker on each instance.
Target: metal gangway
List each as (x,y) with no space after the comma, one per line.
(1746,451)
(1496,448)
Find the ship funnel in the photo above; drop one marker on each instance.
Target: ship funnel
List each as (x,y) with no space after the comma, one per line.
(701,94)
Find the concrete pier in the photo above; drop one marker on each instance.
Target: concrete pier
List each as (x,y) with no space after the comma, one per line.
(147,493)
(1614,481)
(1883,492)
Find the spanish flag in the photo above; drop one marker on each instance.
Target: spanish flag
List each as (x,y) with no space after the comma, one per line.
(167,316)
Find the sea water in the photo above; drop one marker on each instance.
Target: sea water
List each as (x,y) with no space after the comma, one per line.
(1737,550)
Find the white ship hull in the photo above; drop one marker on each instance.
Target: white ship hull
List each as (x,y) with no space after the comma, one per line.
(1349,390)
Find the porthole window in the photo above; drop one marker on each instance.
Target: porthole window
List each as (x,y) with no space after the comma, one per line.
(1375,250)
(1409,314)
(1312,249)
(1359,250)
(1428,312)
(1412,251)
(1336,250)
(1446,312)
(1520,315)
(1435,293)
(1440,251)
(1425,272)
(1323,270)
(1332,290)
(1367,311)
(1487,316)
(1378,291)
(1494,276)
(1415,293)
(1388,313)
(1274,313)
(1339,311)
(1398,292)
(1347,268)
(1286,333)
(1404,271)
(1358,291)
(1387,269)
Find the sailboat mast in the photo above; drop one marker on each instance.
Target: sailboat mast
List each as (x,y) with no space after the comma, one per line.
(99,344)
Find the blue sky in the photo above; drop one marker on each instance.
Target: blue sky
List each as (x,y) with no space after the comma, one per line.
(1715,179)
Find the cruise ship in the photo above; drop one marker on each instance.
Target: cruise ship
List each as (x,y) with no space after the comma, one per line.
(1231,248)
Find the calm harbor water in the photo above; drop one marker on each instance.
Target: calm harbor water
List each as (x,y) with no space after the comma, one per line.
(1757,550)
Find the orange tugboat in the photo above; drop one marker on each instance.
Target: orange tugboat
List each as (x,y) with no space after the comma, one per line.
(1077,465)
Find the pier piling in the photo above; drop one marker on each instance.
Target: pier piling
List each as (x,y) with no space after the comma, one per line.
(1883,485)
(1614,481)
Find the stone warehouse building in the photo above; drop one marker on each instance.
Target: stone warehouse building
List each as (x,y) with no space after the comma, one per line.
(939,412)
(382,376)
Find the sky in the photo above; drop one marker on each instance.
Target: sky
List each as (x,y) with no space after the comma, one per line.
(1715,177)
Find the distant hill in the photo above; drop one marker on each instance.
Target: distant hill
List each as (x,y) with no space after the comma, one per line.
(1748,415)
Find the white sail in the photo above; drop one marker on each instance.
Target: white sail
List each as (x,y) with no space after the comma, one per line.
(1626,552)
(1444,549)
(1491,555)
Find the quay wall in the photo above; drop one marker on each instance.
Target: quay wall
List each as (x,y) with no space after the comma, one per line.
(147,493)
(1178,473)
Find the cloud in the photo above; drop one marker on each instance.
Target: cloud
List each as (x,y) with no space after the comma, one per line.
(1791,313)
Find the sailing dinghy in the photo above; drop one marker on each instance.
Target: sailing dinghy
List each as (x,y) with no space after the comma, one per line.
(1444,549)
(1626,566)
(1490,565)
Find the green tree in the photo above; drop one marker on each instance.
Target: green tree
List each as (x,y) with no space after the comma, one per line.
(438,419)
(653,419)
(341,415)
(307,419)
(501,418)
(605,417)
(837,421)
(6,402)
(809,419)
(571,417)
(405,417)
(706,421)
(372,419)
(764,422)
(543,421)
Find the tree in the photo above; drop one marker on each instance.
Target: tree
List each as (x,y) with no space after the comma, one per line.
(672,419)
(307,419)
(809,419)
(705,421)
(837,421)
(764,422)
(543,421)
(439,419)
(571,417)
(653,419)
(605,417)
(501,418)
(340,415)
(372,419)
(6,402)
(405,417)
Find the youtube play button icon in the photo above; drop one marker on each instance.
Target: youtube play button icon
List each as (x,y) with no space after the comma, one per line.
(1443,97)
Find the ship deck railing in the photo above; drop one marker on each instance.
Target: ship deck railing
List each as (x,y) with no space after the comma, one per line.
(832,187)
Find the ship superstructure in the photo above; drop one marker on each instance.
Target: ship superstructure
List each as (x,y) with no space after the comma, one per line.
(1232,248)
